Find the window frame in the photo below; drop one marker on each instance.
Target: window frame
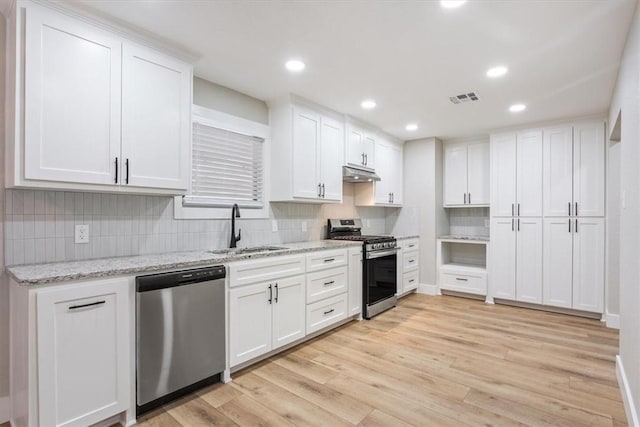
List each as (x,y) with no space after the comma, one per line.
(236,124)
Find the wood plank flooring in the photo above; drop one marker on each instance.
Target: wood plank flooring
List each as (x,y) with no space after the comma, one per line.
(432,361)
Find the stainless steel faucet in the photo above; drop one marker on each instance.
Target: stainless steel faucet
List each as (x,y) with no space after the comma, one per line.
(235,213)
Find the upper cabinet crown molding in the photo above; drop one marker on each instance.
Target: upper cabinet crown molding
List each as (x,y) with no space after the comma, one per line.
(99,112)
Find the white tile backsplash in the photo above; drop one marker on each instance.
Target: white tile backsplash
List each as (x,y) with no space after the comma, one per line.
(40,225)
(468,221)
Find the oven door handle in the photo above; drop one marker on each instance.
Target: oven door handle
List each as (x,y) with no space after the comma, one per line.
(380,254)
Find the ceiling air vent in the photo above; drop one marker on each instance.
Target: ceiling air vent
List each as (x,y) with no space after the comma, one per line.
(465,97)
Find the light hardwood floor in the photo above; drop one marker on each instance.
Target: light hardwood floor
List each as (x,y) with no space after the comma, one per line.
(432,361)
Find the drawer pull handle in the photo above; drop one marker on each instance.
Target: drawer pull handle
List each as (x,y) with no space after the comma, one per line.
(411,281)
(91,304)
(411,246)
(461,279)
(329,283)
(330,311)
(412,260)
(329,259)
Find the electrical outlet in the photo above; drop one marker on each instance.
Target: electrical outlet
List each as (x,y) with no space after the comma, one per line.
(304,226)
(274,225)
(82,233)
(486,223)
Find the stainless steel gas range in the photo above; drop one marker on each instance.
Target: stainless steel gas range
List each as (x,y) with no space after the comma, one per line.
(379,265)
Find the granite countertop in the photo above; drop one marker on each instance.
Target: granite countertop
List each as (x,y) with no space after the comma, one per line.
(409,236)
(459,237)
(39,274)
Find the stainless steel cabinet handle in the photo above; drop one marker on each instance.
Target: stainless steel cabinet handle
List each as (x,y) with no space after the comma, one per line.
(331,282)
(362,159)
(319,190)
(569,225)
(465,198)
(393,197)
(461,279)
(330,311)
(469,198)
(116,181)
(512,211)
(512,224)
(277,292)
(366,159)
(518,224)
(91,304)
(329,259)
(569,203)
(270,294)
(323,190)
(576,225)
(576,209)
(389,197)
(126,164)
(518,209)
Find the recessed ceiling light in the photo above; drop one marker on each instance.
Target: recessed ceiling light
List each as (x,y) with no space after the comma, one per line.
(368,104)
(516,108)
(498,71)
(452,4)
(411,127)
(294,65)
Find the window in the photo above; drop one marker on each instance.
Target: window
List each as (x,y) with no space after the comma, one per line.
(226,168)
(228,165)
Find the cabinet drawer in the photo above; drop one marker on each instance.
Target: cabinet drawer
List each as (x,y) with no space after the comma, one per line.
(409,245)
(470,283)
(326,283)
(260,270)
(326,312)
(409,261)
(326,259)
(410,280)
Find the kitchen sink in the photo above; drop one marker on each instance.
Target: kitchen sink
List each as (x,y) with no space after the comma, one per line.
(241,251)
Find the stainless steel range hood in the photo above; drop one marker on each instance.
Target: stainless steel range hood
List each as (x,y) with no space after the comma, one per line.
(352,174)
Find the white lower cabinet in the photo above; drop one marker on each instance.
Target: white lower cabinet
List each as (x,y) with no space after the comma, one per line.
(326,312)
(574,263)
(407,266)
(516,259)
(72,354)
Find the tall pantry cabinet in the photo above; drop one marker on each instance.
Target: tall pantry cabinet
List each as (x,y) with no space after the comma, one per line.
(547,216)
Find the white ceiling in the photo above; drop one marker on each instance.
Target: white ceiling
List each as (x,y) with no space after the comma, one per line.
(409,56)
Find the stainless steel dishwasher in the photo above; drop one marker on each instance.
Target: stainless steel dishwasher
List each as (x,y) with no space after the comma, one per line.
(180,334)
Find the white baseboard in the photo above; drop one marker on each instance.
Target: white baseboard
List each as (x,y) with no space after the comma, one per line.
(426,289)
(5,409)
(627,398)
(612,320)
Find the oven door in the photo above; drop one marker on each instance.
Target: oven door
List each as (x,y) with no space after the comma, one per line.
(380,281)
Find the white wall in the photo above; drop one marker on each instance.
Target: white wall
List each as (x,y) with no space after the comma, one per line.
(229,101)
(626,99)
(4,284)
(613,231)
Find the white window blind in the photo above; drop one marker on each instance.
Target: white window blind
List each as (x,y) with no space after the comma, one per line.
(227,168)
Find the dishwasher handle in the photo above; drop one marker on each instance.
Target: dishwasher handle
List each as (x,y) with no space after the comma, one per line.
(153,282)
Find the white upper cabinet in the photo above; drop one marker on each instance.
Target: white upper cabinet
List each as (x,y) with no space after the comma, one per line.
(72,100)
(558,171)
(466,174)
(156,99)
(100,113)
(574,170)
(588,169)
(503,173)
(307,154)
(360,147)
(389,167)
(529,174)
(516,174)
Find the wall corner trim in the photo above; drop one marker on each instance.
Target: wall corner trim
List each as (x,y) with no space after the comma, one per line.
(427,289)
(627,398)
(612,320)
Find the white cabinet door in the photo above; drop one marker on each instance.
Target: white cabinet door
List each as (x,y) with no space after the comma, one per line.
(249,321)
(331,158)
(502,274)
(558,171)
(397,174)
(478,173)
(588,264)
(71,101)
(289,311)
(306,139)
(83,352)
(355,146)
(529,174)
(588,169)
(156,119)
(369,149)
(455,174)
(503,174)
(355,281)
(558,262)
(384,187)
(529,260)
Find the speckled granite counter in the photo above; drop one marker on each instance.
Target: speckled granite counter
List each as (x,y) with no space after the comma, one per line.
(407,237)
(38,274)
(465,238)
